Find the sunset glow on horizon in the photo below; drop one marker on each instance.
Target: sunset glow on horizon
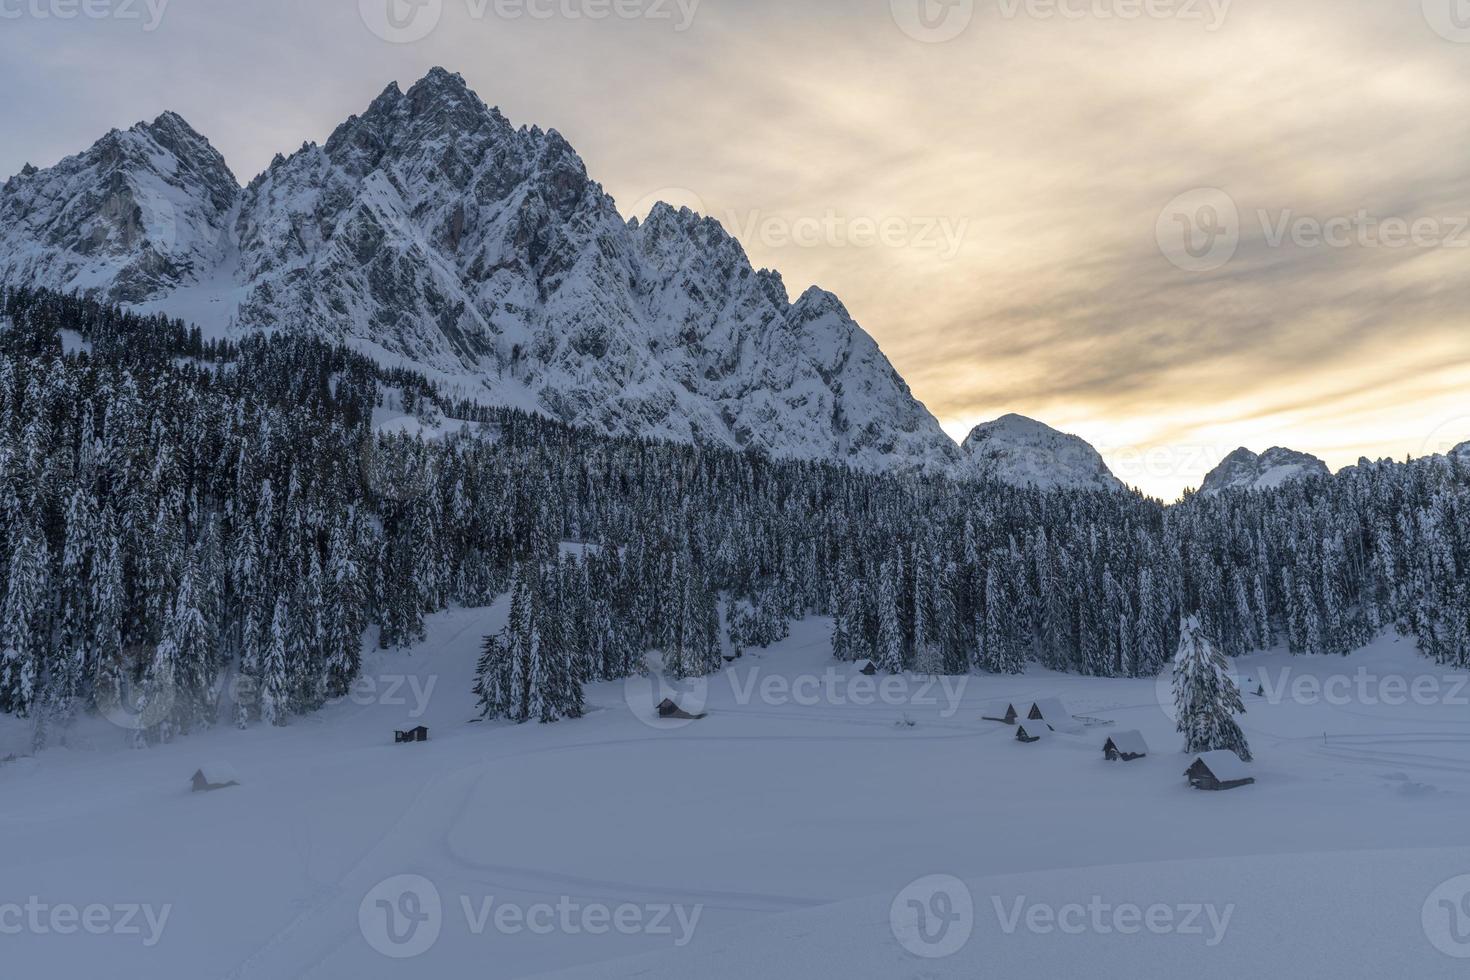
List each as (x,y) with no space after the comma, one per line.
(994,207)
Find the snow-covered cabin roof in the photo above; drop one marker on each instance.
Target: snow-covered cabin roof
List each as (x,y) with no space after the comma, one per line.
(1052,709)
(218,773)
(865,664)
(1225,765)
(1034,729)
(1056,715)
(1129,743)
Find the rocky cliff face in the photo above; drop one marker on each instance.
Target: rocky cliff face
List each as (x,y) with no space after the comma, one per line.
(429,231)
(135,216)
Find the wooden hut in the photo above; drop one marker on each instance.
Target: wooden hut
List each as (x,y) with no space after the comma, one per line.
(1032,731)
(668,709)
(1055,714)
(215,775)
(867,668)
(419,734)
(1125,746)
(1003,712)
(1221,769)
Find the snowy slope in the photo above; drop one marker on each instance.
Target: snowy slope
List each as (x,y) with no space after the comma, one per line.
(1023,452)
(1244,470)
(429,231)
(791,824)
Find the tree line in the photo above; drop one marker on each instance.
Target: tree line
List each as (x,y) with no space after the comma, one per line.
(202,532)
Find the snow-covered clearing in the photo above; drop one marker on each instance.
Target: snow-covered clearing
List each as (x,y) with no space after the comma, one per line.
(774,838)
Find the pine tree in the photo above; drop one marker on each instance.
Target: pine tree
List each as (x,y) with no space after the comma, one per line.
(1206,697)
(23,633)
(275,679)
(890,634)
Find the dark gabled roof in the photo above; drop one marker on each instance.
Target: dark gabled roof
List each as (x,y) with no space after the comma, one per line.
(1129,743)
(1224,765)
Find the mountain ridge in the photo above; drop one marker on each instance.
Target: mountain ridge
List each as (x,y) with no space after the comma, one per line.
(428,230)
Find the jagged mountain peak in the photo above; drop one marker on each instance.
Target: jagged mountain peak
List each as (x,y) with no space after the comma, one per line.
(429,231)
(817,302)
(139,213)
(1245,470)
(1021,451)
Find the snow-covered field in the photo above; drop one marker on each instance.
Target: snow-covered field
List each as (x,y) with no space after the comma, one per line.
(803,829)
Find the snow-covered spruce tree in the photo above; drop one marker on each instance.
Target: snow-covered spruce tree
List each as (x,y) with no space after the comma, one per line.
(890,631)
(184,660)
(23,625)
(275,679)
(1206,697)
(493,689)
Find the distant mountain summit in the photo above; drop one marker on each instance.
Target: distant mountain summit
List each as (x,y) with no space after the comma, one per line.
(1019,451)
(1244,470)
(428,231)
(142,212)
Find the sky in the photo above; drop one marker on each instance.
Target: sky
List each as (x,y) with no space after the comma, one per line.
(1173,227)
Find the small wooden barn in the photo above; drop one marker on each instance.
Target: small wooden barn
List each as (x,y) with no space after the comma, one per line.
(1221,769)
(419,734)
(1125,746)
(1003,712)
(1032,731)
(215,775)
(668,709)
(1055,714)
(867,668)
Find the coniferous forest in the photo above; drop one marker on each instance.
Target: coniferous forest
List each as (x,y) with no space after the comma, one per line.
(180,519)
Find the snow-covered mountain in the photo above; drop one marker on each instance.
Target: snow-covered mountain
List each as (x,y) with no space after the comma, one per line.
(1023,452)
(430,231)
(1244,470)
(140,213)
